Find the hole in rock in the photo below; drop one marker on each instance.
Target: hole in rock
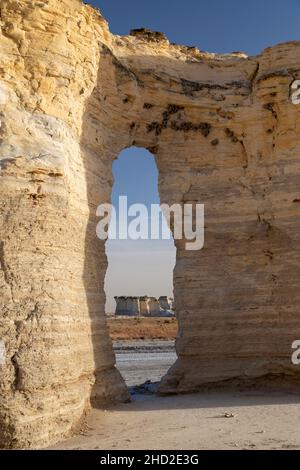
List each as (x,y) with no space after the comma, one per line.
(139,280)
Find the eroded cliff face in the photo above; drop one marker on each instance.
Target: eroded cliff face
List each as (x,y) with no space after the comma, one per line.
(224,133)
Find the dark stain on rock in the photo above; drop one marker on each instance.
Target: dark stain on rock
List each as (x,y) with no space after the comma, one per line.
(269,254)
(154,127)
(270,107)
(189,87)
(205,128)
(157,127)
(148,35)
(55,174)
(238,84)
(174,108)
(186,126)
(278,73)
(231,135)
(153,150)
(35,197)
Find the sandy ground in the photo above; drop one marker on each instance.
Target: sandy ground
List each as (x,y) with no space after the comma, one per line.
(209,420)
(194,422)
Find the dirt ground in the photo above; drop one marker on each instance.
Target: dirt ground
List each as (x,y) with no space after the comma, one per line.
(210,420)
(221,419)
(126,328)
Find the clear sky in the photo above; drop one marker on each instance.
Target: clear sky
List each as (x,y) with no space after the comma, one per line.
(138,268)
(212,25)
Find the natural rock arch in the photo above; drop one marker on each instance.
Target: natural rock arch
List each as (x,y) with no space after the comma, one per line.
(224,133)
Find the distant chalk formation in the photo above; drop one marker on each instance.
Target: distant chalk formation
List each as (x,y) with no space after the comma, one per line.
(144,306)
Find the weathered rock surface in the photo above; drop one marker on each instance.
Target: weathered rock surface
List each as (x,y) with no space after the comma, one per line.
(223,132)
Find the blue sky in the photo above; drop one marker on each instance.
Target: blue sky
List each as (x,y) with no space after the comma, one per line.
(138,268)
(214,25)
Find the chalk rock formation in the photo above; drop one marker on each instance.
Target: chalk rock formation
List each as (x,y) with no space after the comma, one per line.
(144,309)
(128,306)
(154,307)
(224,132)
(171,304)
(144,306)
(121,305)
(164,303)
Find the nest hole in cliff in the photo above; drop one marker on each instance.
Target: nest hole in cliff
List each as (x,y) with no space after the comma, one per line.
(141,257)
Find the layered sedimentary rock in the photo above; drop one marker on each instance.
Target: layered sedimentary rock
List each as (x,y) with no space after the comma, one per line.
(129,306)
(144,306)
(165,303)
(144,310)
(224,133)
(154,307)
(121,305)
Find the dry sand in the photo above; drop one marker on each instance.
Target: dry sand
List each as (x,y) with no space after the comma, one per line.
(256,420)
(223,419)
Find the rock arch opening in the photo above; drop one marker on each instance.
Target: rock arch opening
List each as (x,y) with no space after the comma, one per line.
(141,257)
